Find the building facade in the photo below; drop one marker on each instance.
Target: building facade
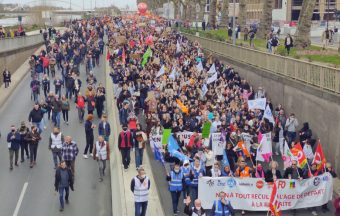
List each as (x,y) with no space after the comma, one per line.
(285,10)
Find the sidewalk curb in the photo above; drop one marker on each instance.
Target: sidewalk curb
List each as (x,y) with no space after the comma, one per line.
(16,79)
(118,193)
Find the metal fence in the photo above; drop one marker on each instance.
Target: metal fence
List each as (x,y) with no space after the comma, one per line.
(316,75)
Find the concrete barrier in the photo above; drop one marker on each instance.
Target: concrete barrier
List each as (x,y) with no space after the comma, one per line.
(122,197)
(10,44)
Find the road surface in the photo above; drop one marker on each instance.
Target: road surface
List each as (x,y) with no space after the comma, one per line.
(28,191)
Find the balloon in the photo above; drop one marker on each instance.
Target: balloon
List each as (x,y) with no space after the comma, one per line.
(142,7)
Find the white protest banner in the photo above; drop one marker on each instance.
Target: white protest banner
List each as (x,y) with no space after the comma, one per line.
(253,194)
(264,151)
(161,71)
(257,104)
(185,137)
(199,66)
(212,69)
(212,79)
(156,141)
(268,115)
(218,146)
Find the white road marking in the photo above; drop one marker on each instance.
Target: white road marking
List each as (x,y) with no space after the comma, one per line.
(16,211)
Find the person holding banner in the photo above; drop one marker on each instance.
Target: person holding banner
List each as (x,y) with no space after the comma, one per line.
(272,174)
(243,171)
(196,171)
(176,180)
(222,207)
(196,210)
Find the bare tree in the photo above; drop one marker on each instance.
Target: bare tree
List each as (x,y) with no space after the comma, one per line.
(225,13)
(212,13)
(302,34)
(266,19)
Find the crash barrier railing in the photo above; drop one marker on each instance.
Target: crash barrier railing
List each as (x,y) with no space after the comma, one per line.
(320,76)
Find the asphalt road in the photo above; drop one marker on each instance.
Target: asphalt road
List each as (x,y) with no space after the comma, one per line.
(90,198)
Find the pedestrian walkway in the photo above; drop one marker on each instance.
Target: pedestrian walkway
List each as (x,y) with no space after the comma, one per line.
(121,180)
(16,78)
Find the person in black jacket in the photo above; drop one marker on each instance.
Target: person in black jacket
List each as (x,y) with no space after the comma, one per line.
(6,77)
(63,181)
(293,172)
(273,173)
(305,133)
(13,140)
(89,126)
(197,209)
(35,117)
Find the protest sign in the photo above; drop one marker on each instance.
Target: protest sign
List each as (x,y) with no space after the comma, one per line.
(206,130)
(218,145)
(156,141)
(253,194)
(166,135)
(257,104)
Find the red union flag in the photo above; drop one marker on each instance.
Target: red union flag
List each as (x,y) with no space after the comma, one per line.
(274,204)
(319,157)
(299,155)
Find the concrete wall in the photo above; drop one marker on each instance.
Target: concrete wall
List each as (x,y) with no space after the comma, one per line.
(320,109)
(15,51)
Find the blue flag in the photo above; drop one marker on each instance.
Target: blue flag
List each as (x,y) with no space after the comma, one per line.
(159,155)
(225,161)
(172,144)
(179,155)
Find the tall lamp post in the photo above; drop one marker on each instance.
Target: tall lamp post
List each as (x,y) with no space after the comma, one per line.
(327,13)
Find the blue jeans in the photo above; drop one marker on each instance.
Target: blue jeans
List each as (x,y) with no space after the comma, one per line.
(56,155)
(69,93)
(140,208)
(39,125)
(56,119)
(175,195)
(61,195)
(194,192)
(291,137)
(139,156)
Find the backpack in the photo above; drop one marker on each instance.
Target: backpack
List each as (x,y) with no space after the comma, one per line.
(81,102)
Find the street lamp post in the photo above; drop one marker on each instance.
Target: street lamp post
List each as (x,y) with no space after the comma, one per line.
(234,23)
(327,12)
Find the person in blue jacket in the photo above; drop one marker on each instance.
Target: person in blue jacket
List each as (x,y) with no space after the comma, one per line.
(13,140)
(222,206)
(197,171)
(176,181)
(104,128)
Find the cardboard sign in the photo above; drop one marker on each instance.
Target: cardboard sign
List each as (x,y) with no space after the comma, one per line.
(166,135)
(206,130)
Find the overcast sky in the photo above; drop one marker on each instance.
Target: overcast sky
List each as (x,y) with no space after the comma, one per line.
(77,4)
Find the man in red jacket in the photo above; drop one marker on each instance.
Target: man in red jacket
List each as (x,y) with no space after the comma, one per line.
(124,144)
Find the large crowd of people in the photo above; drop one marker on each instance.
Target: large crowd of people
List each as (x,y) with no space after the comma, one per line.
(174,88)
(161,76)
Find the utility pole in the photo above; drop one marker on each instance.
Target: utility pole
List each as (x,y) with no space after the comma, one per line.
(234,24)
(328,1)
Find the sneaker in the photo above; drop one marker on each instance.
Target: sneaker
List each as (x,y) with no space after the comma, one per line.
(31,165)
(314,213)
(66,201)
(11,167)
(243,212)
(61,209)
(100,179)
(85,156)
(16,164)
(67,123)
(91,155)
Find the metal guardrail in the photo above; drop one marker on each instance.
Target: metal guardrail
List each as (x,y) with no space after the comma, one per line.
(323,77)
(20,42)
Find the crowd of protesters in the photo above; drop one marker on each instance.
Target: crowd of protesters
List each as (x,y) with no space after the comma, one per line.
(57,82)
(171,92)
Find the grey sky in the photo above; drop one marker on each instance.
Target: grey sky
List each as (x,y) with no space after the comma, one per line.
(78,4)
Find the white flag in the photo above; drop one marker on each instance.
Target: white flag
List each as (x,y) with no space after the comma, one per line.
(204,89)
(264,151)
(212,79)
(173,74)
(268,115)
(287,155)
(161,71)
(199,67)
(178,47)
(212,69)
